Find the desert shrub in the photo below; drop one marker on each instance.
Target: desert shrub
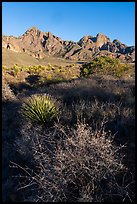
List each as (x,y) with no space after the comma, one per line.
(60,67)
(105,65)
(16,69)
(40,68)
(75,76)
(57,71)
(7,93)
(60,79)
(42,80)
(5,68)
(71,164)
(33,70)
(48,67)
(40,108)
(72,65)
(24,68)
(48,77)
(96,110)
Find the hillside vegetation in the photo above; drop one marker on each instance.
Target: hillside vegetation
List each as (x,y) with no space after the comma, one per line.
(68,132)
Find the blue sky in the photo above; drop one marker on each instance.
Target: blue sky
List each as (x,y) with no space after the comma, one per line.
(71,20)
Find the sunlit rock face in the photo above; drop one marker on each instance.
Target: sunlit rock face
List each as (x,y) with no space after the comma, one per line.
(38,44)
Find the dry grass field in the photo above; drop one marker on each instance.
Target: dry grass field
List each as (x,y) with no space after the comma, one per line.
(9,58)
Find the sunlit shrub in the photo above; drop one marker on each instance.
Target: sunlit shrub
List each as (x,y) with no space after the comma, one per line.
(5,68)
(16,69)
(58,70)
(48,77)
(105,65)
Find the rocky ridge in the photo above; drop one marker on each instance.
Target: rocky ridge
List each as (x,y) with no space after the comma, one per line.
(38,44)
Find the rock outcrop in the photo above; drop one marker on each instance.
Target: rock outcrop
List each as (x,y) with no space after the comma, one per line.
(38,44)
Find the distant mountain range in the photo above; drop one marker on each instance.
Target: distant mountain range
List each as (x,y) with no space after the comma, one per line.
(40,44)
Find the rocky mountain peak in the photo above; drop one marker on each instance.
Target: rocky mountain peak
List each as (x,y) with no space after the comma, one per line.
(118,43)
(33,31)
(100,35)
(33,28)
(38,44)
(49,34)
(101,39)
(86,41)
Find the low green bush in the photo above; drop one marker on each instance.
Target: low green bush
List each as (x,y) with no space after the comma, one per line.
(16,69)
(5,68)
(58,70)
(49,77)
(105,65)
(48,67)
(41,68)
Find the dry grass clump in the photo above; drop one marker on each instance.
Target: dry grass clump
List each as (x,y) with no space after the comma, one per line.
(70,164)
(95,111)
(119,118)
(7,93)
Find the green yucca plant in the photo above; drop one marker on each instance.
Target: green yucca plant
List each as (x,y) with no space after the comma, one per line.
(40,108)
